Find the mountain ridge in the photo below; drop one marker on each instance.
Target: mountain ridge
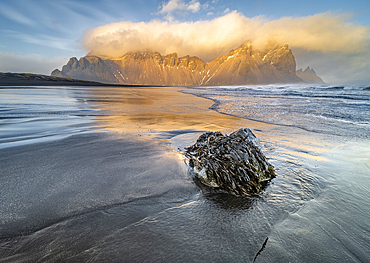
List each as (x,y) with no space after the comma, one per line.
(309,75)
(240,66)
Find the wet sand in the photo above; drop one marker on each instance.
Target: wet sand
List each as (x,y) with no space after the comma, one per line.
(60,198)
(162,113)
(113,187)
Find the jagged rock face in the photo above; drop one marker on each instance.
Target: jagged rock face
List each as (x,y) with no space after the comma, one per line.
(239,67)
(155,69)
(231,163)
(282,59)
(58,73)
(87,68)
(244,66)
(309,75)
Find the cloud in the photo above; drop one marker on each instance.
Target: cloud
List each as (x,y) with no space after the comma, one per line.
(178,5)
(336,67)
(211,38)
(321,32)
(326,34)
(44,40)
(11,62)
(207,39)
(16,16)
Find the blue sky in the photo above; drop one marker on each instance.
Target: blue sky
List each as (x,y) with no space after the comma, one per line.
(37,36)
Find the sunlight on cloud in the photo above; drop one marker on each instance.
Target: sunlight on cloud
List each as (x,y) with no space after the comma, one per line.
(321,32)
(325,33)
(211,38)
(207,39)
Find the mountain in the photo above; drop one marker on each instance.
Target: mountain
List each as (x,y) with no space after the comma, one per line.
(309,75)
(244,66)
(241,66)
(87,68)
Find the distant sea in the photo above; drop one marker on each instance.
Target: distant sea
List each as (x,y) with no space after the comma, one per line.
(144,210)
(331,110)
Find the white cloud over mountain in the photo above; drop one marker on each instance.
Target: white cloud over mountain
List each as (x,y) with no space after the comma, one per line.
(208,39)
(329,34)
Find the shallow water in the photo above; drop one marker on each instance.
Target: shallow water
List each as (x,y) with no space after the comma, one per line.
(92,192)
(321,149)
(37,114)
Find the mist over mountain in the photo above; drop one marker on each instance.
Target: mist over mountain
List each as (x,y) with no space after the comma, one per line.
(242,66)
(309,75)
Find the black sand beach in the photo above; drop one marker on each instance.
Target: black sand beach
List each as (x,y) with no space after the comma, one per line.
(48,187)
(95,174)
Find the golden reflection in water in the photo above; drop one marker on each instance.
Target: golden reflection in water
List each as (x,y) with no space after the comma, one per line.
(308,147)
(154,110)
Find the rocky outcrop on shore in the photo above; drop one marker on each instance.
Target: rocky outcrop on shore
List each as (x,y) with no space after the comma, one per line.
(231,163)
(242,66)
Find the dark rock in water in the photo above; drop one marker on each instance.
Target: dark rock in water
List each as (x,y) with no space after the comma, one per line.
(231,163)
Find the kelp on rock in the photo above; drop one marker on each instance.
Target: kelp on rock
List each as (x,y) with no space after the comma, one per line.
(233,163)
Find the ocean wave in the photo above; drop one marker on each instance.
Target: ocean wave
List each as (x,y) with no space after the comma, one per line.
(339,119)
(337,110)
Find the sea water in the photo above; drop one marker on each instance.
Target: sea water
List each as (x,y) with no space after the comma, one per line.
(315,210)
(332,110)
(320,146)
(38,114)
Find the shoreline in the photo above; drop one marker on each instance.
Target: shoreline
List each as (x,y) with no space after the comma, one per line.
(140,121)
(95,184)
(28,79)
(121,191)
(149,112)
(164,112)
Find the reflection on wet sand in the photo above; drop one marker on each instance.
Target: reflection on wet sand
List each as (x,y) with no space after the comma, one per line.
(164,112)
(149,111)
(93,197)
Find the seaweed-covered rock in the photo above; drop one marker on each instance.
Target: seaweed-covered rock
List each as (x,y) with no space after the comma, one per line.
(231,163)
